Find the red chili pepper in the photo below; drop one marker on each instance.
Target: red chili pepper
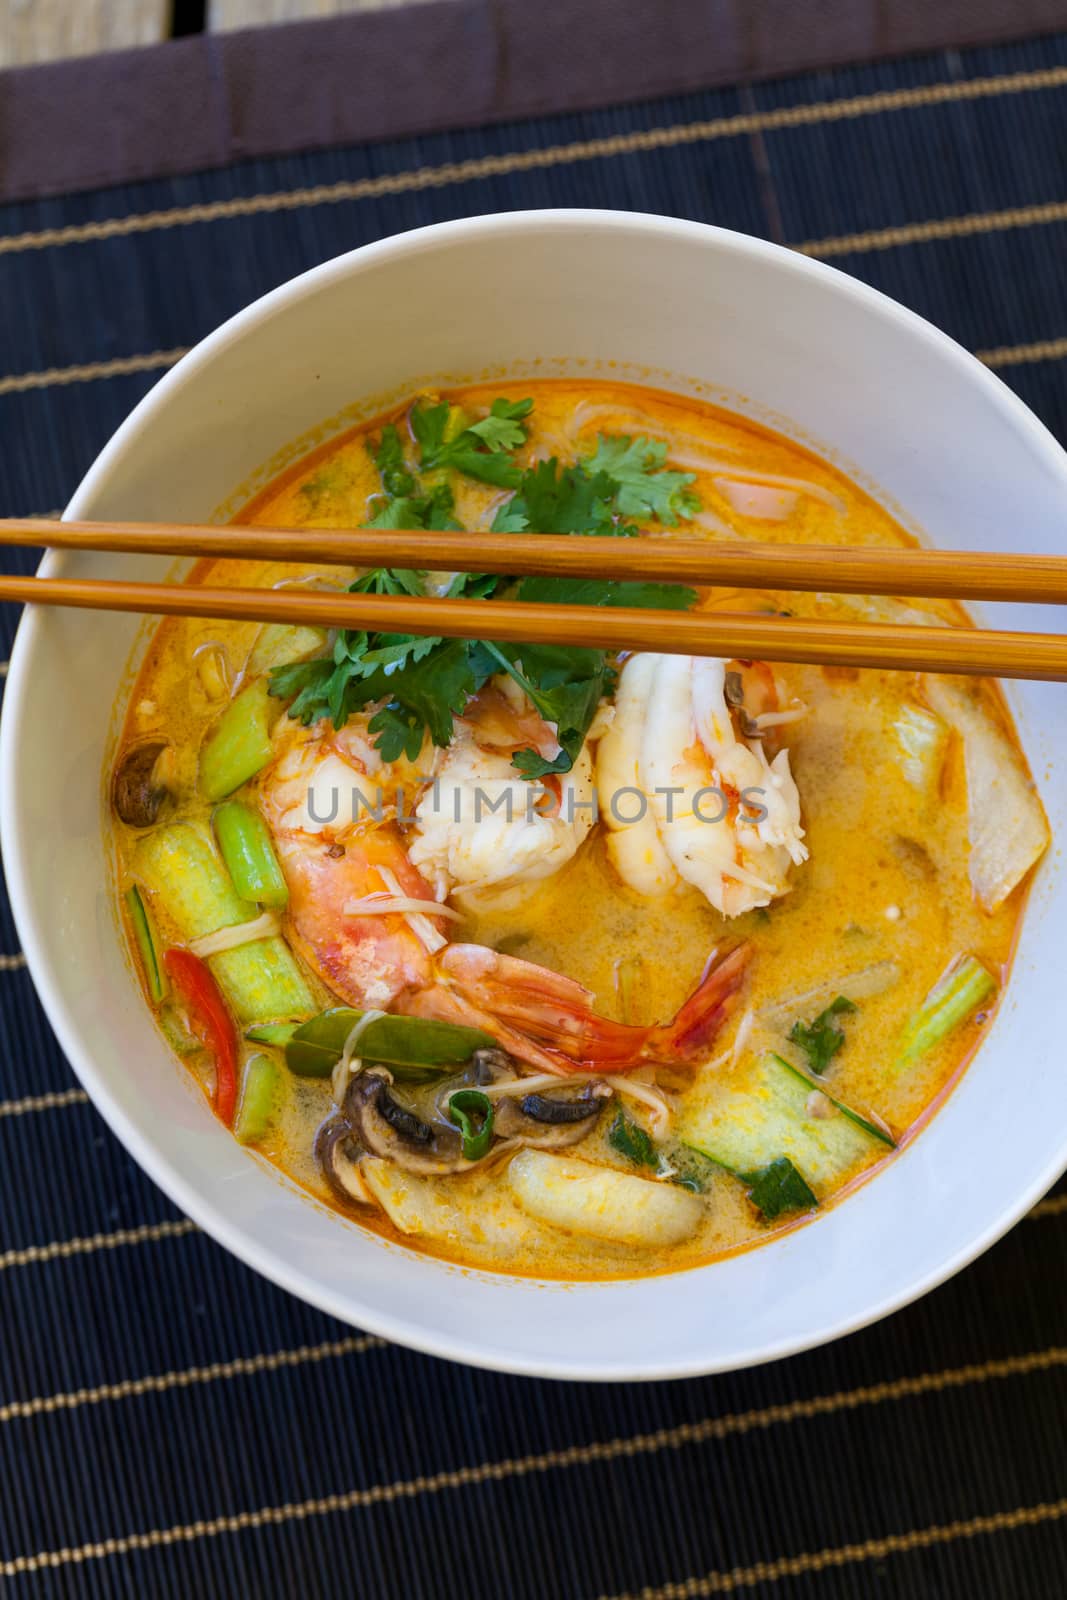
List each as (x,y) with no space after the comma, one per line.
(210,1022)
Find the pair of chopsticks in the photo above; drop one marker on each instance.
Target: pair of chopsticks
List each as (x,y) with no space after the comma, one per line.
(825,568)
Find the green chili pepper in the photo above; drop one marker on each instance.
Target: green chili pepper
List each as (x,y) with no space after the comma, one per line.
(477,1135)
(414,1047)
(146,944)
(259,1096)
(246,848)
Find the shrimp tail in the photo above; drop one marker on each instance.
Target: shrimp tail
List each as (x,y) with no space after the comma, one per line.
(695,1026)
(548,1020)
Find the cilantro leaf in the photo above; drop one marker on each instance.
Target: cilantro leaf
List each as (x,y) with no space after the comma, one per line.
(416,686)
(822,1039)
(555,499)
(607,592)
(478,449)
(631,1141)
(565,685)
(502,429)
(425,696)
(433,510)
(778,1188)
(388,457)
(643,487)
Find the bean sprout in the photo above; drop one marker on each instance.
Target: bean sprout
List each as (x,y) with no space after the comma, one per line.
(213,944)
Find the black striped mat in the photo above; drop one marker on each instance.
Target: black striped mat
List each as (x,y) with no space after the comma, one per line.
(170,1424)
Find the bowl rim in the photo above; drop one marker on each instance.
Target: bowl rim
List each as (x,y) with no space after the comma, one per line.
(348,1305)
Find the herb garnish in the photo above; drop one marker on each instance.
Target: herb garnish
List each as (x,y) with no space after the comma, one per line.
(421,684)
(777,1188)
(822,1039)
(631,1141)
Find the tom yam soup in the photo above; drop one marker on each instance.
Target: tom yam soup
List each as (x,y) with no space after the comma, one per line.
(548,960)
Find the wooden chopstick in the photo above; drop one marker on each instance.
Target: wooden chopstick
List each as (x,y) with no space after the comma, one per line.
(710,633)
(835,569)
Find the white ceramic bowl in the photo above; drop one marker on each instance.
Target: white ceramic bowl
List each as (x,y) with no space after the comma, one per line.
(773,335)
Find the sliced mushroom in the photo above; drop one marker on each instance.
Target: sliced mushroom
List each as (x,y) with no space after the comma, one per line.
(548,1121)
(141,784)
(551,1121)
(388,1129)
(489,1066)
(338,1154)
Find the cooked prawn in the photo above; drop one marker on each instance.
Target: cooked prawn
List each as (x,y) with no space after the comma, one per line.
(401,958)
(712,808)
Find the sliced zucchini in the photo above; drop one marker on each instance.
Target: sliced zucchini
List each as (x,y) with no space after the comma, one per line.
(745,1125)
(261,980)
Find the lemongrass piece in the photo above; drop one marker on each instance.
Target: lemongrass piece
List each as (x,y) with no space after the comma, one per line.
(213,944)
(957,993)
(855,986)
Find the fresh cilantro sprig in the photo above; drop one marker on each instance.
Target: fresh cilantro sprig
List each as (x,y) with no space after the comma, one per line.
(822,1039)
(643,488)
(419,685)
(778,1188)
(479,449)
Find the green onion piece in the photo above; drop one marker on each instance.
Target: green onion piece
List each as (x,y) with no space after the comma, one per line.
(238,746)
(146,943)
(400,1043)
(962,990)
(275,1033)
(246,847)
(259,1098)
(477,1134)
